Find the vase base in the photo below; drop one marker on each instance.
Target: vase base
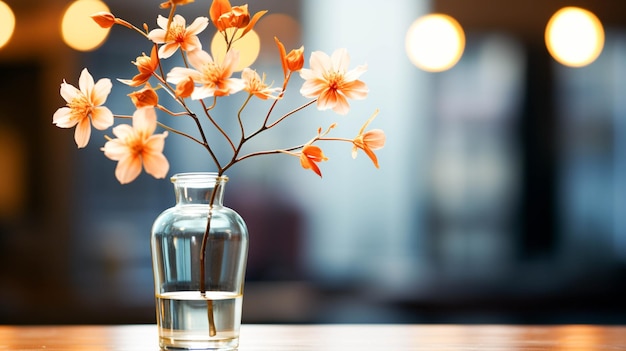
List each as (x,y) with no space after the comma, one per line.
(191,345)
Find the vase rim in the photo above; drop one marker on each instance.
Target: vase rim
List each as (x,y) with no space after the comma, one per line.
(211,177)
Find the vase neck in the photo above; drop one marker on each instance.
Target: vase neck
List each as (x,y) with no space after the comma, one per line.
(199,188)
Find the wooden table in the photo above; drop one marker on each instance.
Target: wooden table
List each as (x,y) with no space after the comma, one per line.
(344,337)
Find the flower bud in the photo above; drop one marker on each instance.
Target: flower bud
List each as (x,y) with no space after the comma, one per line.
(144,97)
(185,88)
(295,59)
(104,19)
(237,17)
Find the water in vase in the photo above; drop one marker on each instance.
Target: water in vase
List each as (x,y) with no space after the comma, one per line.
(190,320)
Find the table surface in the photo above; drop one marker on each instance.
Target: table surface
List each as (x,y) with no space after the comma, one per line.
(344,337)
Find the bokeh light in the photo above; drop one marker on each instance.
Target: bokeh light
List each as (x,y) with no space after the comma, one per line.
(7,23)
(435,42)
(248,47)
(285,27)
(574,36)
(78,30)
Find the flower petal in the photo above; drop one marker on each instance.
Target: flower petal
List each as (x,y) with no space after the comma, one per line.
(340,60)
(82,133)
(199,58)
(85,82)
(68,92)
(62,118)
(168,49)
(101,91)
(115,149)
(375,139)
(154,162)
(128,169)
(157,36)
(145,120)
(101,118)
(356,90)
(198,25)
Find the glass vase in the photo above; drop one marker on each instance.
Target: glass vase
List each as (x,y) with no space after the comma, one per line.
(199,266)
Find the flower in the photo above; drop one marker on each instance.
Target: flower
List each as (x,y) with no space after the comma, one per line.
(136,145)
(175,35)
(198,83)
(255,85)
(329,81)
(310,156)
(369,141)
(83,106)
(214,78)
(146,67)
(225,16)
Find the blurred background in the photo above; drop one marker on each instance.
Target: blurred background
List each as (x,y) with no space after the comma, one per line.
(501,196)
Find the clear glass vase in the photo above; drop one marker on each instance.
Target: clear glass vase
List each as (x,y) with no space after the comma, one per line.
(199,296)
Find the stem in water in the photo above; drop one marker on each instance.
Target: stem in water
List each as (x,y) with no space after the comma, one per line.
(205,237)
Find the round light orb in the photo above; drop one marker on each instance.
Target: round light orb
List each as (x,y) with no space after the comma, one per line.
(79,30)
(574,36)
(249,47)
(289,33)
(7,23)
(435,42)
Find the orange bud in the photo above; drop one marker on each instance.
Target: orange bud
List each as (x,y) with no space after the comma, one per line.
(295,59)
(237,17)
(104,19)
(185,88)
(144,97)
(218,8)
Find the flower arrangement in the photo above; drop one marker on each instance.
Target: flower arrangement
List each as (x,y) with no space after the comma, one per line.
(205,80)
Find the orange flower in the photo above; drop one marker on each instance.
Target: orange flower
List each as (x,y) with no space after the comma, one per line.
(293,61)
(329,81)
(177,35)
(185,88)
(144,97)
(369,141)
(214,78)
(137,145)
(255,85)
(83,105)
(310,155)
(226,16)
(146,66)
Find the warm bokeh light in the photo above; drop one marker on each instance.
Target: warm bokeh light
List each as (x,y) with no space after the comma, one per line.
(7,23)
(574,36)
(435,42)
(248,47)
(78,30)
(283,26)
